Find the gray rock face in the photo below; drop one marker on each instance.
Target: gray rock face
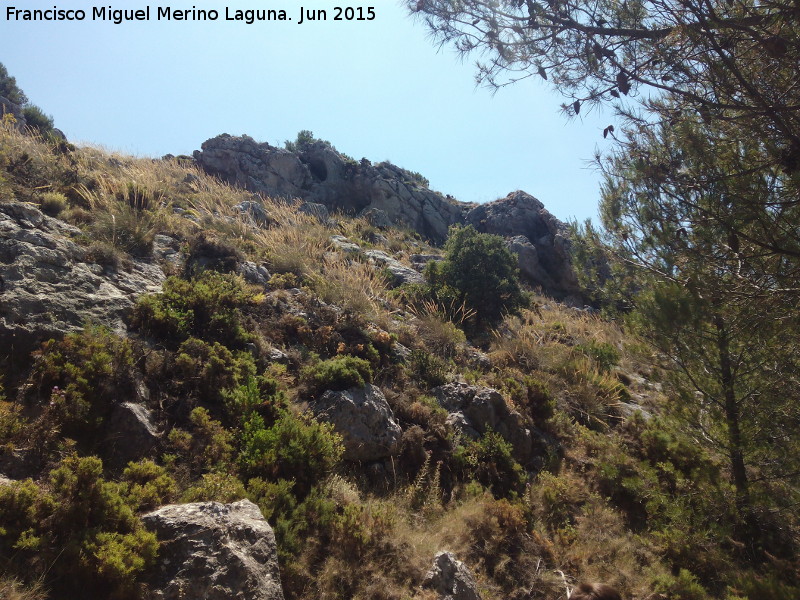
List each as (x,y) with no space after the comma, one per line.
(8,107)
(451,579)
(257,167)
(47,288)
(214,551)
(364,420)
(475,410)
(132,434)
(400,273)
(537,237)
(390,196)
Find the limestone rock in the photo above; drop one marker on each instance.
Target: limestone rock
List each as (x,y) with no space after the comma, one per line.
(257,167)
(539,239)
(8,107)
(132,434)
(400,273)
(47,286)
(451,579)
(253,273)
(214,551)
(388,195)
(475,410)
(364,419)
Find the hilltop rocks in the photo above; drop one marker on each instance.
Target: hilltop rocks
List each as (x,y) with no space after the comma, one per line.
(214,551)
(319,174)
(9,108)
(536,236)
(257,167)
(47,285)
(365,421)
(390,196)
(451,579)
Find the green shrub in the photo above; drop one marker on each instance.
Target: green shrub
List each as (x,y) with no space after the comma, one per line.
(211,373)
(53,203)
(81,376)
(217,486)
(488,460)
(296,448)
(478,271)
(207,446)
(146,485)
(604,355)
(428,368)
(79,535)
(208,307)
(37,120)
(339,373)
(684,586)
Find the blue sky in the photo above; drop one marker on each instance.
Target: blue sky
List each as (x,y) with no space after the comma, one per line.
(379,89)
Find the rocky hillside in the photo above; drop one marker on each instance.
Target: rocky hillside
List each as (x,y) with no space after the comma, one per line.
(213,392)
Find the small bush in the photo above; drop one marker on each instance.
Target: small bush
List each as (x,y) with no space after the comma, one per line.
(478,271)
(128,229)
(604,355)
(340,373)
(145,485)
(79,536)
(428,368)
(296,448)
(207,307)
(80,377)
(488,460)
(684,586)
(207,446)
(208,252)
(53,203)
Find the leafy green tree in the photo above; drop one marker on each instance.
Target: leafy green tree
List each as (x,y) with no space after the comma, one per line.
(478,271)
(9,89)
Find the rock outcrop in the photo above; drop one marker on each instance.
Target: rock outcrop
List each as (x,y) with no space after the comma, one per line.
(214,551)
(476,410)
(539,240)
(9,108)
(364,419)
(319,174)
(48,287)
(388,195)
(451,579)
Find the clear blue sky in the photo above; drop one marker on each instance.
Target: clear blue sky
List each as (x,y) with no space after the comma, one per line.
(376,89)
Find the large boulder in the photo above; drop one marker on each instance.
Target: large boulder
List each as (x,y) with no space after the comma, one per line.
(364,419)
(476,410)
(49,287)
(451,579)
(538,238)
(213,551)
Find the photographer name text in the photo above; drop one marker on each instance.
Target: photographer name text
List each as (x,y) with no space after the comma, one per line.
(118,16)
